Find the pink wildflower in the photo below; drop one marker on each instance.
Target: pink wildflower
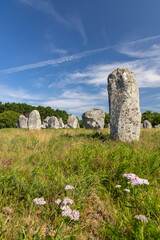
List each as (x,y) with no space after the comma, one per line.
(142,218)
(75,215)
(39,201)
(68,187)
(67,201)
(58,201)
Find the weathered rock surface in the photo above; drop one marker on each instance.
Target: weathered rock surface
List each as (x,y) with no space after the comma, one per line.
(125,115)
(34,120)
(93,119)
(53,122)
(22,122)
(61,124)
(45,122)
(72,122)
(147,124)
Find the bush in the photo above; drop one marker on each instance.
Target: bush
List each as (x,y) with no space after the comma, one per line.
(8,119)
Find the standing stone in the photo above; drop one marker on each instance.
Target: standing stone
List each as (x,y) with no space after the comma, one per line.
(93,119)
(22,122)
(157,126)
(34,120)
(147,124)
(61,124)
(45,122)
(108,126)
(72,122)
(53,122)
(125,115)
(141,125)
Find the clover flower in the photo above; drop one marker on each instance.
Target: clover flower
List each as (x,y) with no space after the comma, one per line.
(118,186)
(142,218)
(39,201)
(135,180)
(126,190)
(67,201)
(58,201)
(68,187)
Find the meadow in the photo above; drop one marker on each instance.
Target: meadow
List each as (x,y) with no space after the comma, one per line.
(36,164)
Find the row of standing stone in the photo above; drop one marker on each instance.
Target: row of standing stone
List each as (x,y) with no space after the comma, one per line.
(93,119)
(34,122)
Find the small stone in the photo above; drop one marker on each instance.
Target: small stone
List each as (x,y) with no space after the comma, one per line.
(72,122)
(53,122)
(93,119)
(147,124)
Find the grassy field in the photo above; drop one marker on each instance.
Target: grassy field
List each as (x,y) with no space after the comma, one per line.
(35,164)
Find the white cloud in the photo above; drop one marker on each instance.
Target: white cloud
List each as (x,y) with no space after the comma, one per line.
(147,73)
(16,95)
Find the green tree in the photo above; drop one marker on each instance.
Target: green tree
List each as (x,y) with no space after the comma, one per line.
(106,120)
(8,119)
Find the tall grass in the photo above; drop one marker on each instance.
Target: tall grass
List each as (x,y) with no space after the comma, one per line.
(35,164)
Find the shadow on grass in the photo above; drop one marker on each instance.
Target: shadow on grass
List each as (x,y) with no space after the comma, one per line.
(94,135)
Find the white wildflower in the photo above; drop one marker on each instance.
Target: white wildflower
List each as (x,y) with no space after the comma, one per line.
(118,186)
(126,190)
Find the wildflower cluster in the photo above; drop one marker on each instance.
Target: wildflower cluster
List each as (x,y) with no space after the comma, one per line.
(135,180)
(66,210)
(39,201)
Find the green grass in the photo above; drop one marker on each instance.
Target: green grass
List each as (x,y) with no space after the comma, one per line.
(37,164)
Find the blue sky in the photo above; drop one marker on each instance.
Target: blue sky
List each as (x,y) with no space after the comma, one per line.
(60,53)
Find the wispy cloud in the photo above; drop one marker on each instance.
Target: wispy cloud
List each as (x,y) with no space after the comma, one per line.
(142,48)
(54,61)
(71,22)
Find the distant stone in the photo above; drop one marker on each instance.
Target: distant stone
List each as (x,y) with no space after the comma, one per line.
(72,122)
(16,126)
(108,126)
(45,122)
(147,124)
(22,122)
(53,122)
(141,126)
(34,120)
(157,126)
(93,119)
(43,127)
(124,109)
(61,124)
